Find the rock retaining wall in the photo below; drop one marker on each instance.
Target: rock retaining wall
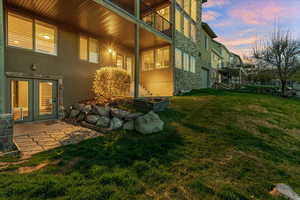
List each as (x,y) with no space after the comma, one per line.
(6,132)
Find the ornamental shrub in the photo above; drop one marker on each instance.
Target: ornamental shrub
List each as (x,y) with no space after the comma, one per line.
(110,83)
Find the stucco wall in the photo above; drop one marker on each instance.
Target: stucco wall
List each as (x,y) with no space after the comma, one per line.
(77,74)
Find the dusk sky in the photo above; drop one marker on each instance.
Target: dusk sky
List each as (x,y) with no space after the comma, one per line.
(239,23)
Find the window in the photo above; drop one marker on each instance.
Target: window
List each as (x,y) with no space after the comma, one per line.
(186,62)
(156,59)
(129,65)
(206,42)
(192,64)
(193,32)
(83,48)
(178,21)
(93,51)
(89,49)
(148,60)
(186,27)
(178,58)
(120,61)
(45,36)
(187,6)
(162,56)
(20,33)
(165,12)
(179,2)
(194,10)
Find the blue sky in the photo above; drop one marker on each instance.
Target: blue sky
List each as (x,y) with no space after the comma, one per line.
(239,23)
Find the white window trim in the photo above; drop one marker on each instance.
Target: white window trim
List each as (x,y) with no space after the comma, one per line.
(33,20)
(88,49)
(55,36)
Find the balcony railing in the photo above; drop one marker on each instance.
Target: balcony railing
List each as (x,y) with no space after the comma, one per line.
(154,19)
(149,15)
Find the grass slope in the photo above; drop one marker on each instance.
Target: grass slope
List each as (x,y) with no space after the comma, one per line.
(217,146)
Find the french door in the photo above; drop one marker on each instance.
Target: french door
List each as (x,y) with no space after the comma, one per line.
(33,99)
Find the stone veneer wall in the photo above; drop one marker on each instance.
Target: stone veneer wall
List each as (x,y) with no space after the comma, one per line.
(184,80)
(6,132)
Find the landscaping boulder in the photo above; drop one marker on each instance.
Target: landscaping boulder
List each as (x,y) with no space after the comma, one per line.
(121,114)
(78,106)
(115,123)
(86,109)
(286,191)
(133,116)
(101,110)
(129,125)
(149,123)
(81,116)
(74,113)
(103,122)
(93,119)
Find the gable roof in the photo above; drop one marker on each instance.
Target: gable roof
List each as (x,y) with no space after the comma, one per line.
(209,30)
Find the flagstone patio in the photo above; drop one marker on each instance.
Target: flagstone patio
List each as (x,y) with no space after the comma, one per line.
(32,138)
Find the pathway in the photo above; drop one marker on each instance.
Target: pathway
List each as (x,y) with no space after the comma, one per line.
(32,138)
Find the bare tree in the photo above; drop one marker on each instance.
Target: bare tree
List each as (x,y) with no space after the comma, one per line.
(280,52)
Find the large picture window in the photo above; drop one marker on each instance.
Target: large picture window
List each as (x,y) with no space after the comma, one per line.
(178,21)
(194,10)
(187,6)
(89,49)
(93,50)
(45,36)
(186,62)
(20,31)
(178,58)
(186,27)
(193,32)
(156,59)
(192,64)
(148,60)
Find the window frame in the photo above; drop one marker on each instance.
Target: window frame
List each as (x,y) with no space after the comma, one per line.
(192,64)
(181,58)
(88,49)
(177,11)
(186,68)
(33,21)
(41,23)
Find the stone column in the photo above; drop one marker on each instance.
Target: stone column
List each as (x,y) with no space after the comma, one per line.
(6,120)
(6,132)
(137,51)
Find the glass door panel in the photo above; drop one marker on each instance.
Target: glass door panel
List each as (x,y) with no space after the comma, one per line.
(20,102)
(45,98)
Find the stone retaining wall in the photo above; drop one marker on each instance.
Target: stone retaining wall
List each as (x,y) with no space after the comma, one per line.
(6,132)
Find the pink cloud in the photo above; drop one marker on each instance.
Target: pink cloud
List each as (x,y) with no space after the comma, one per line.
(239,41)
(210,15)
(261,12)
(215,3)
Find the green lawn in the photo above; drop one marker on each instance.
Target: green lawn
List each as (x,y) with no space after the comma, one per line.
(217,146)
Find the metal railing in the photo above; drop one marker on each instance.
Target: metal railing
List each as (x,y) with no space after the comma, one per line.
(149,15)
(154,19)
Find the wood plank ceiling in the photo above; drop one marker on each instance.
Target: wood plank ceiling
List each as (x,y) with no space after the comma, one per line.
(87,16)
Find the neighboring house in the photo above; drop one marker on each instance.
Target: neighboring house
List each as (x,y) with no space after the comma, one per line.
(231,70)
(50,50)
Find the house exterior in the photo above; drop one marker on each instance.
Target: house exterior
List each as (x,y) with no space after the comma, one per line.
(228,64)
(50,50)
